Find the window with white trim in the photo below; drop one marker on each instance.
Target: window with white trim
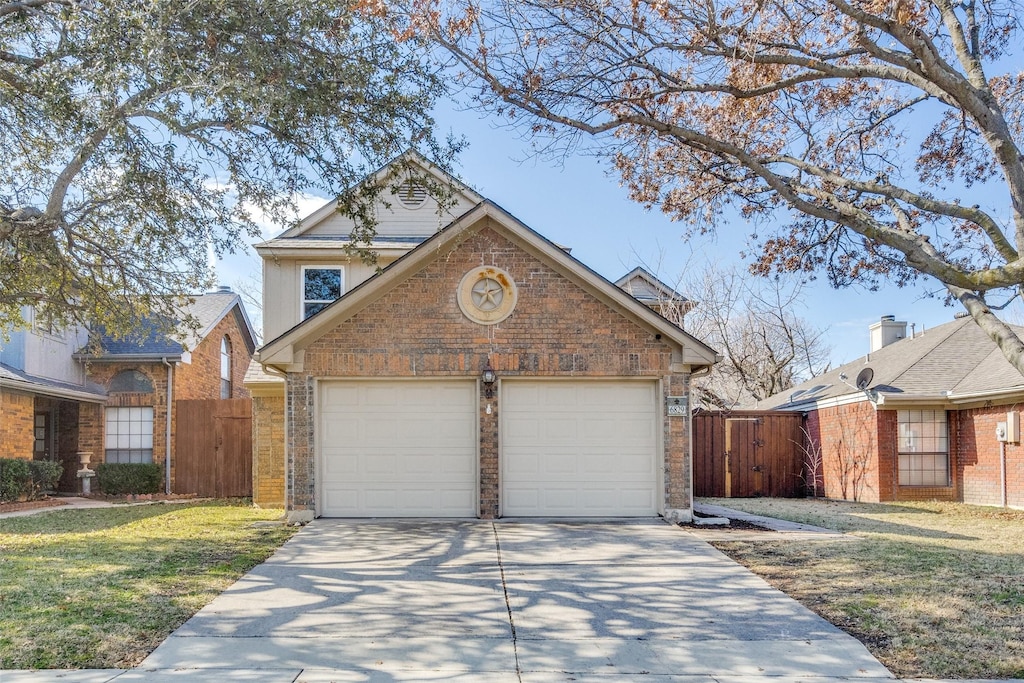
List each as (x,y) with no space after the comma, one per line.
(129,434)
(321,285)
(923,448)
(225,368)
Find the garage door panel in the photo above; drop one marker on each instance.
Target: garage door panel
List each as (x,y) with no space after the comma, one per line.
(398,448)
(586,448)
(560,428)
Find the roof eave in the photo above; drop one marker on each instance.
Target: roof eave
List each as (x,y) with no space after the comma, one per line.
(991,395)
(57,392)
(129,357)
(285,350)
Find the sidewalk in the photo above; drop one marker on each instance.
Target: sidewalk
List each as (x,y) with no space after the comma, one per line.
(79,503)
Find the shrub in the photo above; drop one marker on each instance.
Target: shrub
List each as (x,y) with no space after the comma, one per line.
(118,479)
(45,475)
(15,479)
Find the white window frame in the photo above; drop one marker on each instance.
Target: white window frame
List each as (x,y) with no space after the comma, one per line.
(302,286)
(918,450)
(134,443)
(226,361)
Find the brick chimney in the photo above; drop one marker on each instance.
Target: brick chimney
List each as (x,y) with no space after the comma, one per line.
(886,331)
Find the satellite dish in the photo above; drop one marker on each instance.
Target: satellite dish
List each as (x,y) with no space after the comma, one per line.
(864,378)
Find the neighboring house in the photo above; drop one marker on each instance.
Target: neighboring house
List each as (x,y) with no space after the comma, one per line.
(61,395)
(484,372)
(655,294)
(924,425)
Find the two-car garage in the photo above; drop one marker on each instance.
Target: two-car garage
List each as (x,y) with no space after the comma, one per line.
(409,448)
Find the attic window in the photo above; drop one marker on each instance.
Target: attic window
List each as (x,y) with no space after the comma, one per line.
(412,194)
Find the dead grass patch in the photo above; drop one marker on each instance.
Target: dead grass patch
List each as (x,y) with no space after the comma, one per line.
(934,590)
(101,588)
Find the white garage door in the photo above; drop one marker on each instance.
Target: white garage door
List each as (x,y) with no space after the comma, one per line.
(397,449)
(579,448)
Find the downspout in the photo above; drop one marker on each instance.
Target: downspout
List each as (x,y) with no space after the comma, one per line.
(167,436)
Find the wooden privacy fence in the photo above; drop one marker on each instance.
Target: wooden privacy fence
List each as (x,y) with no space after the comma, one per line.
(742,454)
(213,447)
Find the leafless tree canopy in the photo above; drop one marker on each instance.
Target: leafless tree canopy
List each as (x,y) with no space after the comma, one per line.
(766,346)
(871,124)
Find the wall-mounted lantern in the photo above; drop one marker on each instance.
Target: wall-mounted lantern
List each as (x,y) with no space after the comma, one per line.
(489,377)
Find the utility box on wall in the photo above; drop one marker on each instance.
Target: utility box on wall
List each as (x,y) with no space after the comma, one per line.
(1013,427)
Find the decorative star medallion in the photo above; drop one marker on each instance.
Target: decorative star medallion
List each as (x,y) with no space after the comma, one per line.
(487,295)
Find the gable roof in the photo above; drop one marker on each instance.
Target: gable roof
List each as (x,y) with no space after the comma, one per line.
(381,175)
(645,287)
(949,364)
(287,349)
(150,344)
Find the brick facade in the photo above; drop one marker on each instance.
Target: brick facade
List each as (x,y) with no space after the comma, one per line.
(861,456)
(558,329)
(848,438)
(17,415)
(268,451)
(201,377)
(80,426)
(195,380)
(979,457)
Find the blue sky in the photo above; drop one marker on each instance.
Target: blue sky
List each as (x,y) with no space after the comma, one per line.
(574,202)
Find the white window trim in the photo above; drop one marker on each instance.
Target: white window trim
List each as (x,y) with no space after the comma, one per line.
(900,452)
(226,345)
(302,285)
(150,434)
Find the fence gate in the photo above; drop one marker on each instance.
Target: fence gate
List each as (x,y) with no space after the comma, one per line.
(742,454)
(213,447)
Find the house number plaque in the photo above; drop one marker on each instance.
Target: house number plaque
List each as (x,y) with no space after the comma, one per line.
(678,406)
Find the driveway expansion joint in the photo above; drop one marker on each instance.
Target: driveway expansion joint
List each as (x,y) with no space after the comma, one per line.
(508,604)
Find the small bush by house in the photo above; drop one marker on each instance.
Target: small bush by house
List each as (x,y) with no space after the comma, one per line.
(119,479)
(45,477)
(27,479)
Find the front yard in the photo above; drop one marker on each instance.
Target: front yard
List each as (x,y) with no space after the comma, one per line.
(935,590)
(102,588)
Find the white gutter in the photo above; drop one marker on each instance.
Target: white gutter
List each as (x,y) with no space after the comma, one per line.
(167,437)
(904,399)
(984,395)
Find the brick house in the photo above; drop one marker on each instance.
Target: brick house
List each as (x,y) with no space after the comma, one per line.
(61,395)
(483,372)
(924,425)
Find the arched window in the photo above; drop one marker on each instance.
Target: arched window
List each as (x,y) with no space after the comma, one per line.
(130,382)
(225,368)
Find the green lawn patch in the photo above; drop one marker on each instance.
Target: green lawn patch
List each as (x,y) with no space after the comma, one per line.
(934,590)
(102,588)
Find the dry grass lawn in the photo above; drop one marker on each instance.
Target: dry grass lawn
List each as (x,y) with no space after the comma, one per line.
(935,590)
(102,588)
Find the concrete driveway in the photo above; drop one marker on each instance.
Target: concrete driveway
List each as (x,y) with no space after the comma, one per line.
(503,601)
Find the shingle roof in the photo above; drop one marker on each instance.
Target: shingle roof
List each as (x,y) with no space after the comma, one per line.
(956,360)
(208,310)
(255,374)
(43,385)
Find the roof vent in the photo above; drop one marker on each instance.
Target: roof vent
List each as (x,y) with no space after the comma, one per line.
(888,318)
(223,289)
(960,315)
(412,193)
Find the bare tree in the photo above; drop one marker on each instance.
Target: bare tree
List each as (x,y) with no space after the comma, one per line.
(873,125)
(767,347)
